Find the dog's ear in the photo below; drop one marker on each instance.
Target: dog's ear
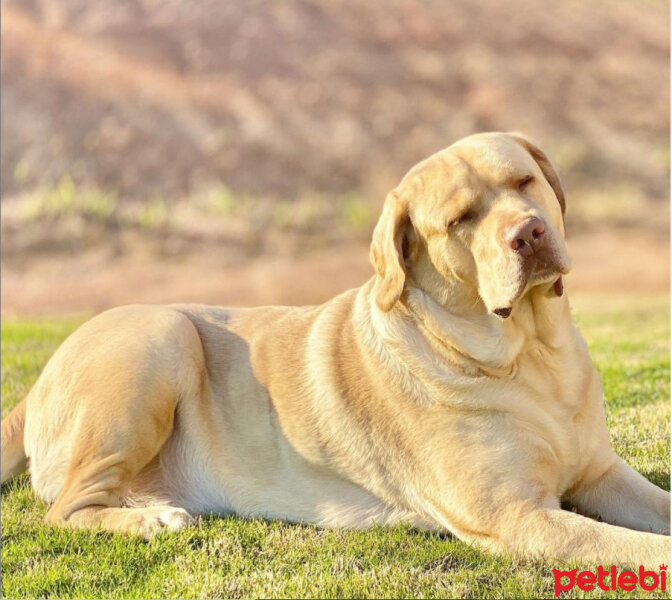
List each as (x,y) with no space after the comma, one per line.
(546,167)
(387,251)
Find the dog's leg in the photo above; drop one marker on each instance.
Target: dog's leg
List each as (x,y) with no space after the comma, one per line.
(551,533)
(108,455)
(117,406)
(97,482)
(622,496)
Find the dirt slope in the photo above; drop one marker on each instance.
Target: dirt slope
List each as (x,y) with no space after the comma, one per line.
(150,97)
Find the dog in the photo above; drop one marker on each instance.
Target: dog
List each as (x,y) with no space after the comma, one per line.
(451,391)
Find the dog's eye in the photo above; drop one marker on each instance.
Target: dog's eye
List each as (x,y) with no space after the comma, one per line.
(525,181)
(465,216)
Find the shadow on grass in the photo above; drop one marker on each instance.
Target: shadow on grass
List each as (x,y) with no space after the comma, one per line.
(19,483)
(660,478)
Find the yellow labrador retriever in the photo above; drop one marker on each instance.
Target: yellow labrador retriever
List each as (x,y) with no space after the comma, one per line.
(451,391)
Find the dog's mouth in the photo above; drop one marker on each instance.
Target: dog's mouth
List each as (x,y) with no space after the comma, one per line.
(542,269)
(557,289)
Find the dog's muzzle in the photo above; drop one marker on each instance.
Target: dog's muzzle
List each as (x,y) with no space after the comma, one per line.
(529,240)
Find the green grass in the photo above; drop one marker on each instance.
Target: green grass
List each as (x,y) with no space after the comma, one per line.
(230,557)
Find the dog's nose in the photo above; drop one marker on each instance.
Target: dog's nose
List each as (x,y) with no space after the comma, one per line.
(527,237)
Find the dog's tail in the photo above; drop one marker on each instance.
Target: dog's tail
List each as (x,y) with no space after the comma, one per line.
(12,453)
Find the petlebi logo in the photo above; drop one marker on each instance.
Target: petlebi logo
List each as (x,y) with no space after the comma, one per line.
(610,579)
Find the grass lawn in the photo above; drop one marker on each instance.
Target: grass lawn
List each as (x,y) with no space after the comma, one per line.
(229,557)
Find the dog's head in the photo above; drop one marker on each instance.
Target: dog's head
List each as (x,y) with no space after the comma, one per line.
(482,219)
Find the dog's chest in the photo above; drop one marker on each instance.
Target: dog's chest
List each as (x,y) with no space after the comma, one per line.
(563,404)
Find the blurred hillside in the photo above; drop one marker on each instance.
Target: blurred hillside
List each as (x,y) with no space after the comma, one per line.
(256,127)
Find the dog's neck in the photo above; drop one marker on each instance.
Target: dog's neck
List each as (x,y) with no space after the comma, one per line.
(469,331)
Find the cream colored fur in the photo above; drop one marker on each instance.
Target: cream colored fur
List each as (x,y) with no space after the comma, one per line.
(406,400)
